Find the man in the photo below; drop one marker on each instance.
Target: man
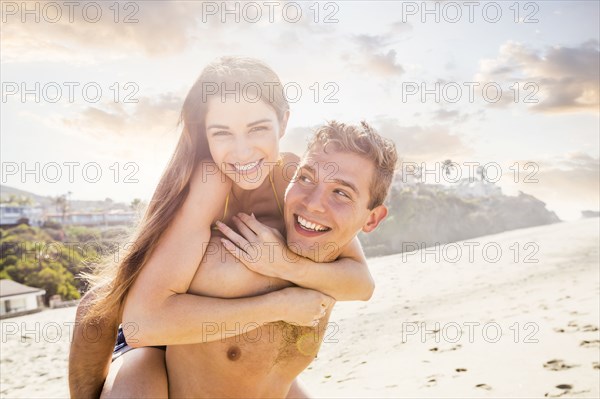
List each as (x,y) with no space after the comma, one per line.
(338,191)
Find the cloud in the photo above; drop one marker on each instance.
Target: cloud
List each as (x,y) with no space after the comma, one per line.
(568,183)
(149,118)
(568,78)
(374,55)
(422,143)
(385,64)
(153,28)
(414,143)
(296,139)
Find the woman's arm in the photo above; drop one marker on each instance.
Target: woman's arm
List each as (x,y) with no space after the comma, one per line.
(158,310)
(345,279)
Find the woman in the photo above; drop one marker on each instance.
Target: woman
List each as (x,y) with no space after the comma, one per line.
(227,161)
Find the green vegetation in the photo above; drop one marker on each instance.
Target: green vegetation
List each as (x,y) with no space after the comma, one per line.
(52,257)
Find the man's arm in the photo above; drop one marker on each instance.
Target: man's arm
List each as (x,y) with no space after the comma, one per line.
(91,352)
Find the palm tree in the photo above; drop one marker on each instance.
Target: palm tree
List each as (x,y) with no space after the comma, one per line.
(481,173)
(62,205)
(448,166)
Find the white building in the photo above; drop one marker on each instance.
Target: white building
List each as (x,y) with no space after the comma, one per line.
(18,299)
(467,188)
(110,218)
(10,214)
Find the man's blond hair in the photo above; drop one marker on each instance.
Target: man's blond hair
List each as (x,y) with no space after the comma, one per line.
(364,141)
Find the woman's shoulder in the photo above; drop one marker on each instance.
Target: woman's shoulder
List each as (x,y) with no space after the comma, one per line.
(207,175)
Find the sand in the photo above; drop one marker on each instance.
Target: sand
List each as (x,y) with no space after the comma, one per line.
(520,323)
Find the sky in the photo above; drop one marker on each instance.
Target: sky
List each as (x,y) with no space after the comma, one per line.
(91,91)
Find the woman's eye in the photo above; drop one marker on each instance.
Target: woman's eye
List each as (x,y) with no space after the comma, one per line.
(221,133)
(258,129)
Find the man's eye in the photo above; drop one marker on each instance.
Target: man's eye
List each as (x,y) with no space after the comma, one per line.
(305,179)
(342,194)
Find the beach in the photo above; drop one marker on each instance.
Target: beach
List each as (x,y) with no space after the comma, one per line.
(514,314)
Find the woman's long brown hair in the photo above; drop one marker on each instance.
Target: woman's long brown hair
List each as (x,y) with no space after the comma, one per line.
(112,279)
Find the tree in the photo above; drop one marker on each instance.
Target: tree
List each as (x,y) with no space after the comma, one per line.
(448,167)
(13,199)
(481,173)
(62,205)
(135,204)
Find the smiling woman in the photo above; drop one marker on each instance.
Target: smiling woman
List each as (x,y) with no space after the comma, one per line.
(245,149)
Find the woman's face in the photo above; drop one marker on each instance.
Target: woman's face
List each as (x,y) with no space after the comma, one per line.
(243,138)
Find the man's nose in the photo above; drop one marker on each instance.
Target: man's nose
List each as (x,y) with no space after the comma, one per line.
(315,200)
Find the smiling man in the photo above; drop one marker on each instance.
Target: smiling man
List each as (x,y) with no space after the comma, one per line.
(337,191)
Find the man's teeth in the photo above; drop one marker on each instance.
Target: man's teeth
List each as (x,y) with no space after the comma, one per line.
(248,166)
(310,225)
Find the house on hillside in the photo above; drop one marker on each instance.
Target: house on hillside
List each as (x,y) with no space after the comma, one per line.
(18,299)
(10,215)
(106,218)
(467,188)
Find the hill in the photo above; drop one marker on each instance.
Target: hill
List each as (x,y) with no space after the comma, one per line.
(424,215)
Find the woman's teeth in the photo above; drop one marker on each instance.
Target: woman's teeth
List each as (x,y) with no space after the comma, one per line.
(247,167)
(310,225)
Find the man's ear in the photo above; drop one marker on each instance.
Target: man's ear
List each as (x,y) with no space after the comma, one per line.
(284,122)
(375,217)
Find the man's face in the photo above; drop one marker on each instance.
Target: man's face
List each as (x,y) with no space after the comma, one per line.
(326,203)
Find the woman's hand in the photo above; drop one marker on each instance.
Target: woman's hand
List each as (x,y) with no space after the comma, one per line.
(260,248)
(303,306)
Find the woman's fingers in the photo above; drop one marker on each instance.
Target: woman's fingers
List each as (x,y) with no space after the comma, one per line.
(244,229)
(257,227)
(237,239)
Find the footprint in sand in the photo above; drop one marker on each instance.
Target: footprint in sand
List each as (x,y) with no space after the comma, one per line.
(557,365)
(590,344)
(566,390)
(564,386)
(453,348)
(574,327)
(563,298)
(484,386)
(596,365)
(432,380)
(461,370)
(589,328)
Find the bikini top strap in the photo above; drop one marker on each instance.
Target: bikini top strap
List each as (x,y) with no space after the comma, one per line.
(275,193)
(225,210)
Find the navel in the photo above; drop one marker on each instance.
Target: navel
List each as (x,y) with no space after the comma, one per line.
(234,353)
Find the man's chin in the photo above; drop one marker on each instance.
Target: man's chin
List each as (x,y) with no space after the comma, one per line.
(315,250)
(301,247)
